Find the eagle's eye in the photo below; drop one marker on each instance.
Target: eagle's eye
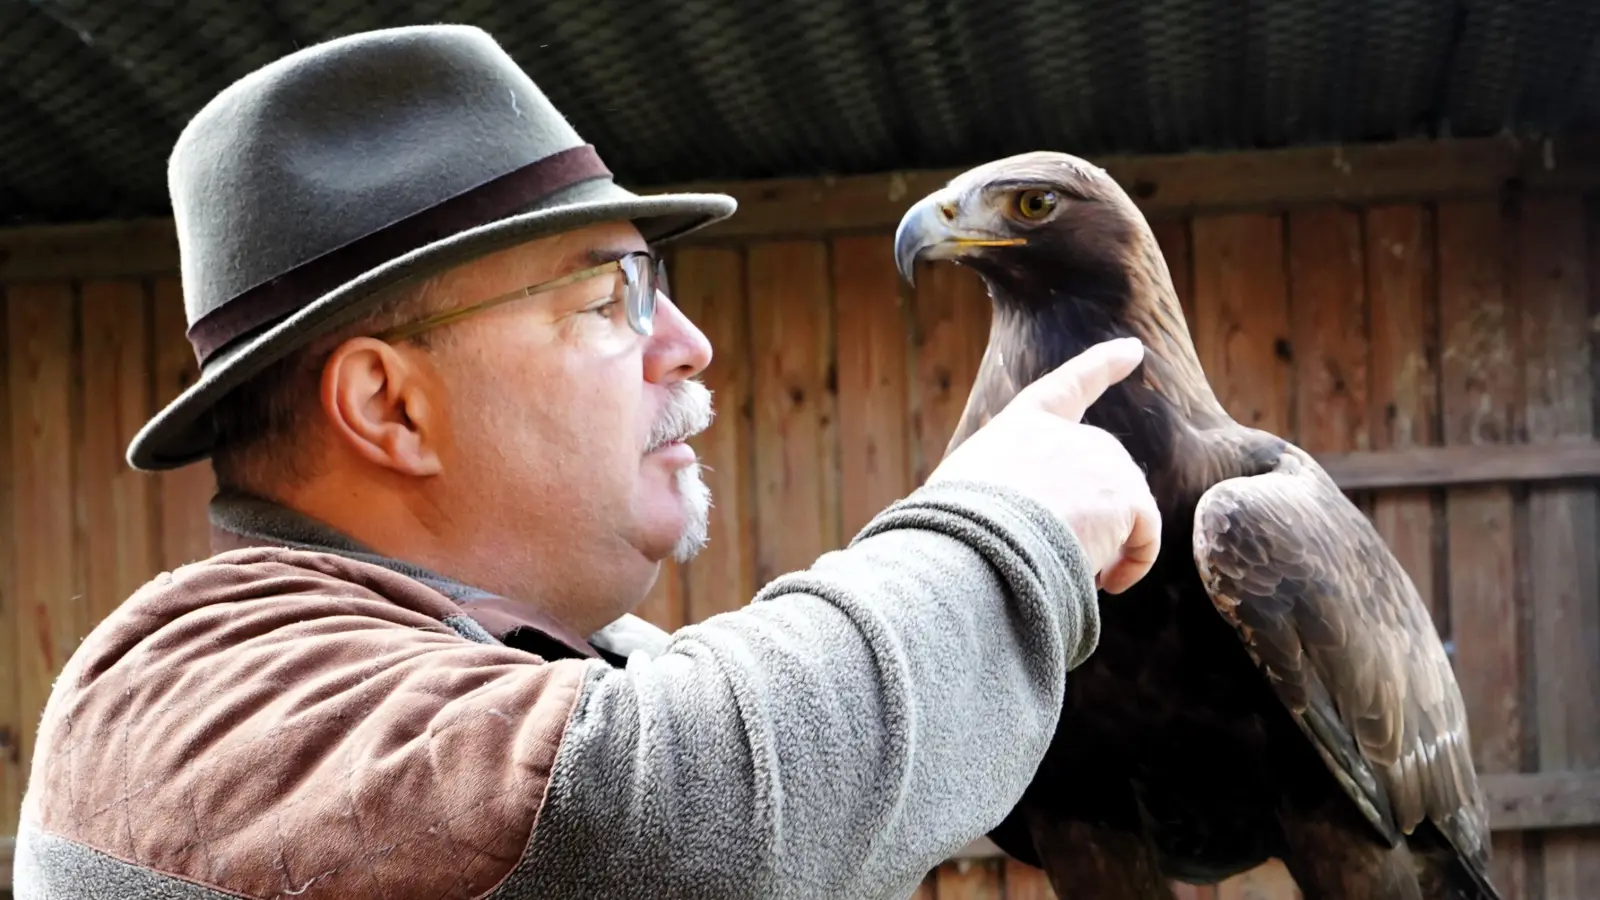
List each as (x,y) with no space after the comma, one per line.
(1035,203)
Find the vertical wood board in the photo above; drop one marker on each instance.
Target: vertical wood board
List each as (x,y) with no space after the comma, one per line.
(796,448)
(12,713)
(951,315)
(870,336)
(52,615)
(121,551)
(1173,237)
(709,285)
(1563,574)
(1478,379)
(1328,315)
(1403,403)
(1241,317)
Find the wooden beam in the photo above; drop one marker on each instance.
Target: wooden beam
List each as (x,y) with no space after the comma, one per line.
(1517,802)
(1184,184)
(1163,185)
(115,249)
(1543,800)
(1467,464)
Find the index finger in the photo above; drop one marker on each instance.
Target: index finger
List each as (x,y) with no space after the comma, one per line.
(1072,387)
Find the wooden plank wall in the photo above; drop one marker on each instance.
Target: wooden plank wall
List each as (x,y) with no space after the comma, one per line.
(1464,322)
(86,363)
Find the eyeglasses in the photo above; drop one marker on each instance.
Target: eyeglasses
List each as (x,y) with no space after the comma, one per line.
(642,276)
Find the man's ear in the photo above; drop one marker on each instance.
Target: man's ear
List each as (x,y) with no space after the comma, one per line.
(383,406)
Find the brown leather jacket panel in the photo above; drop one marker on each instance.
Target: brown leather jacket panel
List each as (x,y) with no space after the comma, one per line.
(275,721)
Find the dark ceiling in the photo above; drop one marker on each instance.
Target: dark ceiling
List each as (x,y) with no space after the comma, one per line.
(93,92)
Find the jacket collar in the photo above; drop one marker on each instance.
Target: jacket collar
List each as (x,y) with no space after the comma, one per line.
(240,520)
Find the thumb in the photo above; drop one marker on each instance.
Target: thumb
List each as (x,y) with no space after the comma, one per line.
(1076,384)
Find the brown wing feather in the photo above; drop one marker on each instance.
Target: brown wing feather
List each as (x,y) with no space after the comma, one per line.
(1334,622)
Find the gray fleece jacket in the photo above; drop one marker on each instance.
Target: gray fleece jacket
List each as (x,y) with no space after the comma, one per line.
(301,717)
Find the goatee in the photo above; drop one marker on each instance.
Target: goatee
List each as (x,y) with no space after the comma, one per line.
(696,498)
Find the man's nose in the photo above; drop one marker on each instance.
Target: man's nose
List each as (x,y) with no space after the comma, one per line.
(677,350)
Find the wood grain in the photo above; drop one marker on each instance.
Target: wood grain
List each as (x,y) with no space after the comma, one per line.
(1479,371)
(870,337)
(1241,317)
(121,549)
(1403,401)
(13,772)
(708,284)
(1546,800)
(950,329)
(185,493)
(1187,183)
(1563,568)
(121,249)
(1172,234)
(1163,185)
(796,447)
(1328,314)
(1576,460)
(51,613)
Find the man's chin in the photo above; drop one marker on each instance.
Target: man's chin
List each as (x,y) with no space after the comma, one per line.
(694,495)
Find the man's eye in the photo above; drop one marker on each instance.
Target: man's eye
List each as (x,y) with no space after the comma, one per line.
(603,307)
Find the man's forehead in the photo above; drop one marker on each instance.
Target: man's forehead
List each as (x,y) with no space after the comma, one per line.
(553,255)
(588,246)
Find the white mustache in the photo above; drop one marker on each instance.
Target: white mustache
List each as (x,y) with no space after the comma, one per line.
(687,414)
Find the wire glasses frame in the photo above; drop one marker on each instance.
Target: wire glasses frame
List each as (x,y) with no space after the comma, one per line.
(642,276)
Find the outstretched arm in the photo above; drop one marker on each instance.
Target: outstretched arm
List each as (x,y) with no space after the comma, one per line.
(844,733)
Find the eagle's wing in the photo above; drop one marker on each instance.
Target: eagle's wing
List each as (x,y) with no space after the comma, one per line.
(1334,622)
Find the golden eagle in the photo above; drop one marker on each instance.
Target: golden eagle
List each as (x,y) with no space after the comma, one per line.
(1274,687)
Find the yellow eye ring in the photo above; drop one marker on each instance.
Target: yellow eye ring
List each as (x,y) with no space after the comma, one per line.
(1035,203)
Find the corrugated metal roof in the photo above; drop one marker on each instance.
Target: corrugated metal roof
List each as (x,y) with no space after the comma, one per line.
(93,92)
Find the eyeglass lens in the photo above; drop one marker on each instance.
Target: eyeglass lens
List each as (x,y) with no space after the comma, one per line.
(643,281)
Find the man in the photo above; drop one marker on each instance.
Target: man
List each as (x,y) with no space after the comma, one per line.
(446,396)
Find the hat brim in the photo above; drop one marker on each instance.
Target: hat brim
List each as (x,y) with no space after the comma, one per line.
(181,432)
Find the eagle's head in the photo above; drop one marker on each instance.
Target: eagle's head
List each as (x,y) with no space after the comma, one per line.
(1069,261)
(1037,227)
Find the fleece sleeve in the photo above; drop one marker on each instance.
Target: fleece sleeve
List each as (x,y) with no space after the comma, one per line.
(854,725)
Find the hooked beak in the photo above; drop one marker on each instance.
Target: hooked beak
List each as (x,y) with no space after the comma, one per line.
(930,230)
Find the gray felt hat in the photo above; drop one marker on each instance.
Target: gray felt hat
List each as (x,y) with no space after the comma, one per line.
(307,186)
